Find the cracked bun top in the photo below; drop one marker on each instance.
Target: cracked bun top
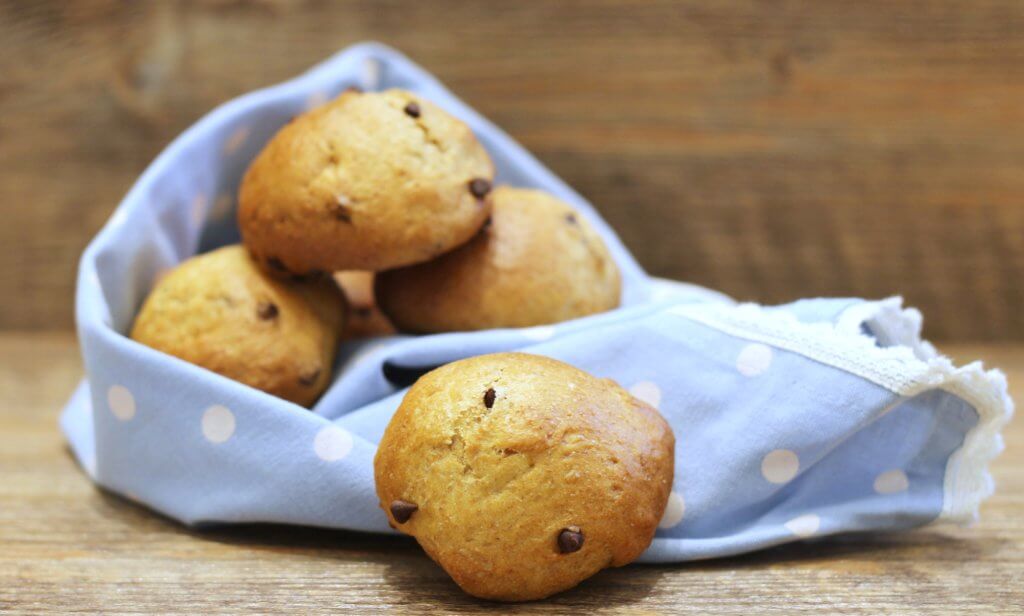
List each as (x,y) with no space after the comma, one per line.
(522,475)
(368,181)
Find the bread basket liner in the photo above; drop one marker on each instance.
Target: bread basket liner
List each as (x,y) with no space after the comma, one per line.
(818,417)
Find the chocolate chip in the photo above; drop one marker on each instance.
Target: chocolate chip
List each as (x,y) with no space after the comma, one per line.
(355,89)
(363,312)
(412,110)
(570,218)
(402,510)
(267,310)
(489,398)
(276,264)
(488,223)
(309,378)
(570,540)
(479,187)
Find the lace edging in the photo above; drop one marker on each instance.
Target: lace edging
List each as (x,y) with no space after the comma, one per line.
(904,364)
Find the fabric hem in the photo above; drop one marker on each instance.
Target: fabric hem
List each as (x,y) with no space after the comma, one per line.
(893,356)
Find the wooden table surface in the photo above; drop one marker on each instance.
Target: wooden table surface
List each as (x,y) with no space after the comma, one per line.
(66,546)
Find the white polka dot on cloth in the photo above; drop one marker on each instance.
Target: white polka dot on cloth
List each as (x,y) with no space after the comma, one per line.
(648,392)
(780,466)
(539,333)
(805,525)
(754,359)
(332,443)
(891,482)
(236,140)
(218,424)
(674,511)
(121,402)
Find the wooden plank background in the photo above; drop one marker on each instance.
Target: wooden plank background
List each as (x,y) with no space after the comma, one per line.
(770,149)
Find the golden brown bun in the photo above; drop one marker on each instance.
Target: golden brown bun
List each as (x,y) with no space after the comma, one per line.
(538,262)
(220,311)
(501,464)
(362,183)
(365,320)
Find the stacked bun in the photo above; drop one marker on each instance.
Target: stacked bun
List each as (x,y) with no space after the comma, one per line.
(382,185)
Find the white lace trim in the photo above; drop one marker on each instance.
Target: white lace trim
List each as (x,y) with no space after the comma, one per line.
(904,364)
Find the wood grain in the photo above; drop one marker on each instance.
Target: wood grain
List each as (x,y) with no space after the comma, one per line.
(66,547)
(772,150)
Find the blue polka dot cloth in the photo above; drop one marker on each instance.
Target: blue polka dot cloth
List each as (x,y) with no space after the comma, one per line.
(818,417)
